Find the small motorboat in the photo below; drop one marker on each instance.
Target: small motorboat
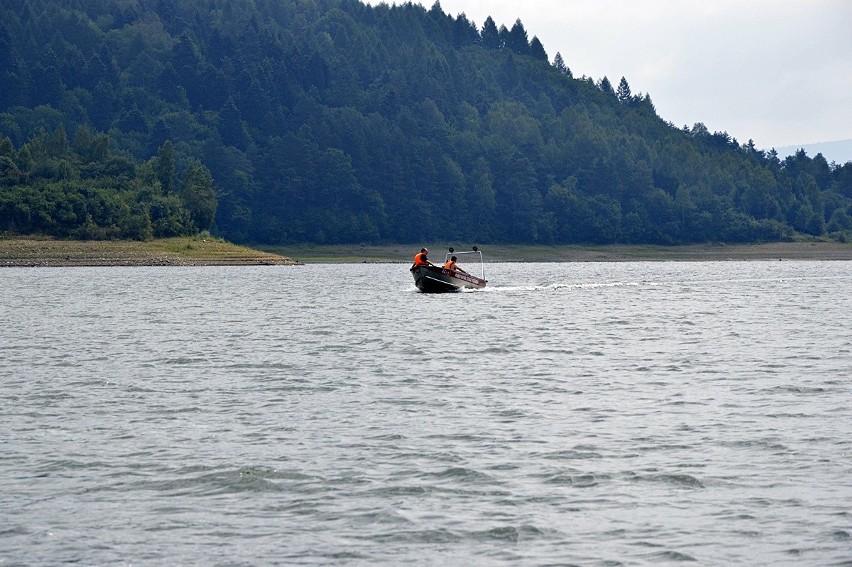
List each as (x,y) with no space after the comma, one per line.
(436,279)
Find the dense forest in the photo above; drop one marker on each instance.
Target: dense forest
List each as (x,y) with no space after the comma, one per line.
(330,121)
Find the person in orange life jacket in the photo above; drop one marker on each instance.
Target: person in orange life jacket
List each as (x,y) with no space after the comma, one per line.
(451,265)
(421,258)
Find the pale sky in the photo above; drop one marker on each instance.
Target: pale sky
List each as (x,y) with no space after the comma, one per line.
(776,71)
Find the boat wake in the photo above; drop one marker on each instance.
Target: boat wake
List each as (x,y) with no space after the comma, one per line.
(546,287)
(559,286)
(580,286)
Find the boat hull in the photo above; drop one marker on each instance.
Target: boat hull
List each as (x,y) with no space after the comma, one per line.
(432,279)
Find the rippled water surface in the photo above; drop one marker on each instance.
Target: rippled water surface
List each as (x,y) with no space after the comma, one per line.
(600,413)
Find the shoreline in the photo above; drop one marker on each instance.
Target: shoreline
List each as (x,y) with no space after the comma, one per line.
(347,254)
(201,251)
(178,251)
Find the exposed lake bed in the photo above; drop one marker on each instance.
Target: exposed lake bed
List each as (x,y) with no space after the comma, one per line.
(200,251)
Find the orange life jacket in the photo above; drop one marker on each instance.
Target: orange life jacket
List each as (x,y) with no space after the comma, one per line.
(450,265)
(420,259)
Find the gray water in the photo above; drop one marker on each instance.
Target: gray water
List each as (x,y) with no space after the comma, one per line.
(586,413)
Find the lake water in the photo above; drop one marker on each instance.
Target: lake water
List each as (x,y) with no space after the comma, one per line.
(585,413)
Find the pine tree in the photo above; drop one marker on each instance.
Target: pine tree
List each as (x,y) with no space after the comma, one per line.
(517,39)
(560,65)
(490,35)
(623,92)
(537,49)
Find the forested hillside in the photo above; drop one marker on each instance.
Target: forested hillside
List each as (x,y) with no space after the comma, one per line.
(275,121)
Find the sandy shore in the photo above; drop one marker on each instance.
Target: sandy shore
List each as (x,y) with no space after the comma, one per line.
(160,252)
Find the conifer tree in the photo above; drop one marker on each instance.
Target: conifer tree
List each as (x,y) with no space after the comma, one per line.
(560,65)
(503,33)
(537,49)
(517,39)
(490,35)
(623,92)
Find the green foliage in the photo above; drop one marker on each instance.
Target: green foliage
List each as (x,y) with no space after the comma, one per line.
(80,190)
(198,195)
(332,121)
(164,167)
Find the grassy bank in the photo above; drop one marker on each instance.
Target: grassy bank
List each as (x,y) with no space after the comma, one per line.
(183,251)
(614,253)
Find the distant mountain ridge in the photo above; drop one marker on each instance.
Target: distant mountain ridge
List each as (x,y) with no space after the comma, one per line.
(839,151)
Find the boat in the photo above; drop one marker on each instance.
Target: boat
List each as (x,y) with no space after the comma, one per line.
(437,279)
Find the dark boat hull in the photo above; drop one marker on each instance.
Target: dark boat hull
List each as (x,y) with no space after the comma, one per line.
(432,279)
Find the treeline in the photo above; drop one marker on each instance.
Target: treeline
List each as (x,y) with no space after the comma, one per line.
(332,121)
(80,190)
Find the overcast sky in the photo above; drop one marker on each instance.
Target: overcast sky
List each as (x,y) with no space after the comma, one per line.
(776,71)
